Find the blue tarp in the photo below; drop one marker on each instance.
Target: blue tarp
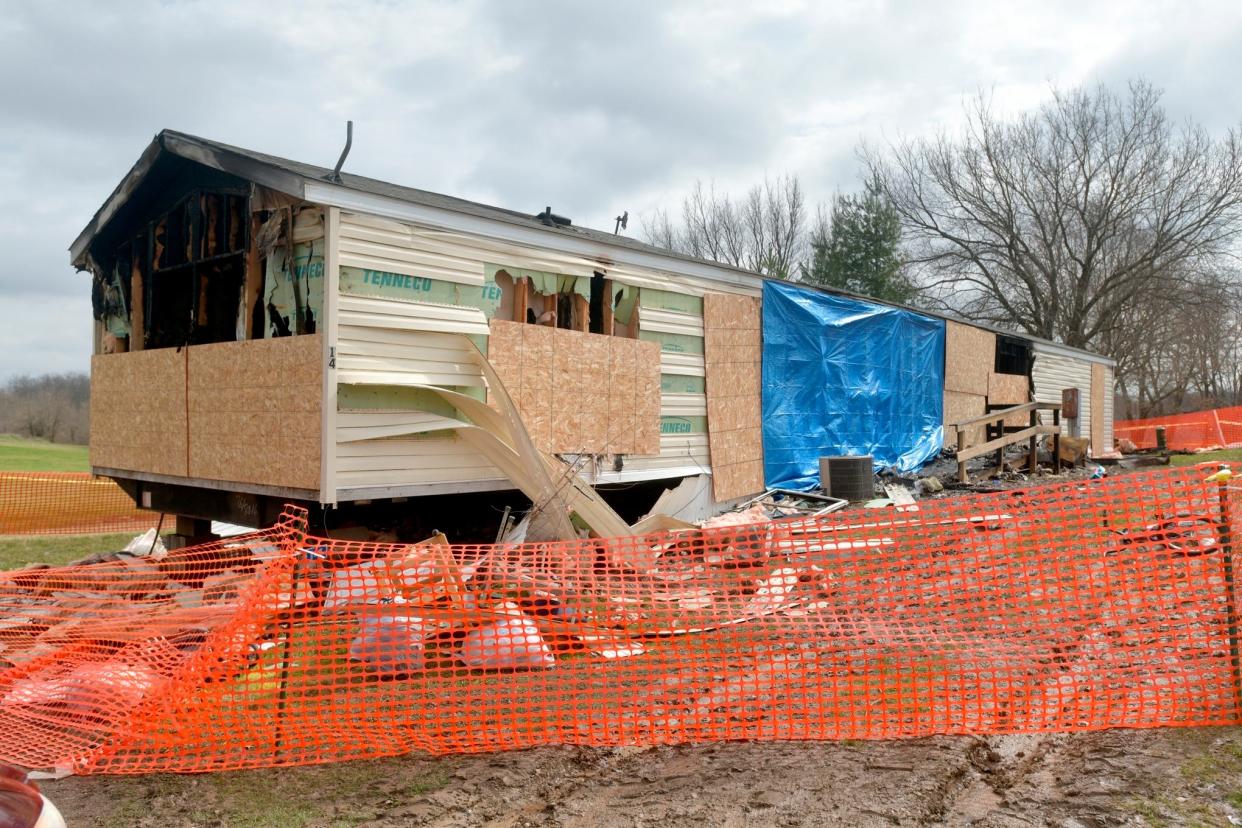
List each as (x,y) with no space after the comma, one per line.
(844,376)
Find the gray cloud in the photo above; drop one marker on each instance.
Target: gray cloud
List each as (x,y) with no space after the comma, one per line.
(593,108)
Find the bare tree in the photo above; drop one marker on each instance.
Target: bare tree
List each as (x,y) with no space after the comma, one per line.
(765,231)
(53,407)
(1179,350)
(712,227)
(1066,219)
(658,229)
(774,217)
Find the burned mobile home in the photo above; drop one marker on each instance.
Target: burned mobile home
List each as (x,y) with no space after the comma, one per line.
(269,331)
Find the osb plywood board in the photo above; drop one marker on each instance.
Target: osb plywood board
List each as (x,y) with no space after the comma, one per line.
(958,407)
(1099,381)
(1010,389)
(969,356)
(138,413)
(723,312)
(733,355)
(580,393)
(254,411)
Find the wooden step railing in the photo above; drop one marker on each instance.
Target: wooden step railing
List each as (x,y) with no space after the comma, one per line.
(1000,435)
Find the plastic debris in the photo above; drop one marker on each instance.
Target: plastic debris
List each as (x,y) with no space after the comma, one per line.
(507,644)
(746,517)
(390,644)
(148,544)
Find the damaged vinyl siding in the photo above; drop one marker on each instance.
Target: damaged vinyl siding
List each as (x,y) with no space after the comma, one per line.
(675,322)
(406,292)
(293,291)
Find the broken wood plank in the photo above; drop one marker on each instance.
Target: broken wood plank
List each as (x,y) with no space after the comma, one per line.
(254,279)
(1001,414)
(1005,440)
(582,313)
(606,316)
(137,303)
(521,298)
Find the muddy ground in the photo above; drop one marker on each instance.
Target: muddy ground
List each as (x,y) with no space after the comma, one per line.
(1156,778)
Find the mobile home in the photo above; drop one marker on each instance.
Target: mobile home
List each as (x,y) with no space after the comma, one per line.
(270,331)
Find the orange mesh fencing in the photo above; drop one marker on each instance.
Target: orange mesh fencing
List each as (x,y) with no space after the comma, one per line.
(66,503)
(1213,428)
(1076,606)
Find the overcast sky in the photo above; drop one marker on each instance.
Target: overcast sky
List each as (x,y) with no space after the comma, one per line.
(593,108)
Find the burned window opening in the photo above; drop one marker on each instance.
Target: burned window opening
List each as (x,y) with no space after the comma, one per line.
(1013,355)
(565,307)
(197,267)
(178,280)
(586,304)
(599,289)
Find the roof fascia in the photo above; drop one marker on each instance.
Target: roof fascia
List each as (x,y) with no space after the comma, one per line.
(387,207)
(190,150)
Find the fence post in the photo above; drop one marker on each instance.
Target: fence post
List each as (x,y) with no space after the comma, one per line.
(1220,432)
(1231,606)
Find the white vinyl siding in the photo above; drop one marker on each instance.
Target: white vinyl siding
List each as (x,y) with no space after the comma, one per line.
(1056,369)
(393,342)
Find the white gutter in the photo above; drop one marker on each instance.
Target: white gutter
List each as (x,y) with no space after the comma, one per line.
(322,192)
(1041,346)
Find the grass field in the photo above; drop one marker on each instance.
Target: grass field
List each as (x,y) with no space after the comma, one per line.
(21,454)
(1222,456)
(18,550)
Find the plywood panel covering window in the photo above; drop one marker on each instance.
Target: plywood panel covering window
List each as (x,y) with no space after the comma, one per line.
(1010,389)
(580,393)
(1099,388)
(733,356)
(958,407)
(969,357)
(241,412)
(138,414)
(254,411)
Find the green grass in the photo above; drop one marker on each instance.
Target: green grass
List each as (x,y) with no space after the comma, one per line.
(1222,456)
(18,550)
(21,454)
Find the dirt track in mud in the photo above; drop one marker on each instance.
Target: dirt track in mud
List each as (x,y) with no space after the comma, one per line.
(1156,778)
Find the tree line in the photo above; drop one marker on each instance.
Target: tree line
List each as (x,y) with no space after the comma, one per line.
(1095,220)
(53,407)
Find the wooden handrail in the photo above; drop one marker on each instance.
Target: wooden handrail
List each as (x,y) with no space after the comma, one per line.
(1006,440)
(1001,436)
(1002,413)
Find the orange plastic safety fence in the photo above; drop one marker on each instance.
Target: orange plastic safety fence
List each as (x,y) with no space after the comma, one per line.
(1186,432)
(66,503)
(1077,606)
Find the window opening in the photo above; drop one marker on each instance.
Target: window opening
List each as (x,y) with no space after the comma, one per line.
(1013,355)
(599,290)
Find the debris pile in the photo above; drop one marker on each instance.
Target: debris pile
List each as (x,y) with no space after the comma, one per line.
(279,648)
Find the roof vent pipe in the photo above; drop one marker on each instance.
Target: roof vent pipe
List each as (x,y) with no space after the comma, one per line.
(551,219)
(349,142)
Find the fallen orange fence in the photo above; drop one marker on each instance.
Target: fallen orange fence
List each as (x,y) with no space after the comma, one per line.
(1213,428)
(66,503)
(1077,606)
